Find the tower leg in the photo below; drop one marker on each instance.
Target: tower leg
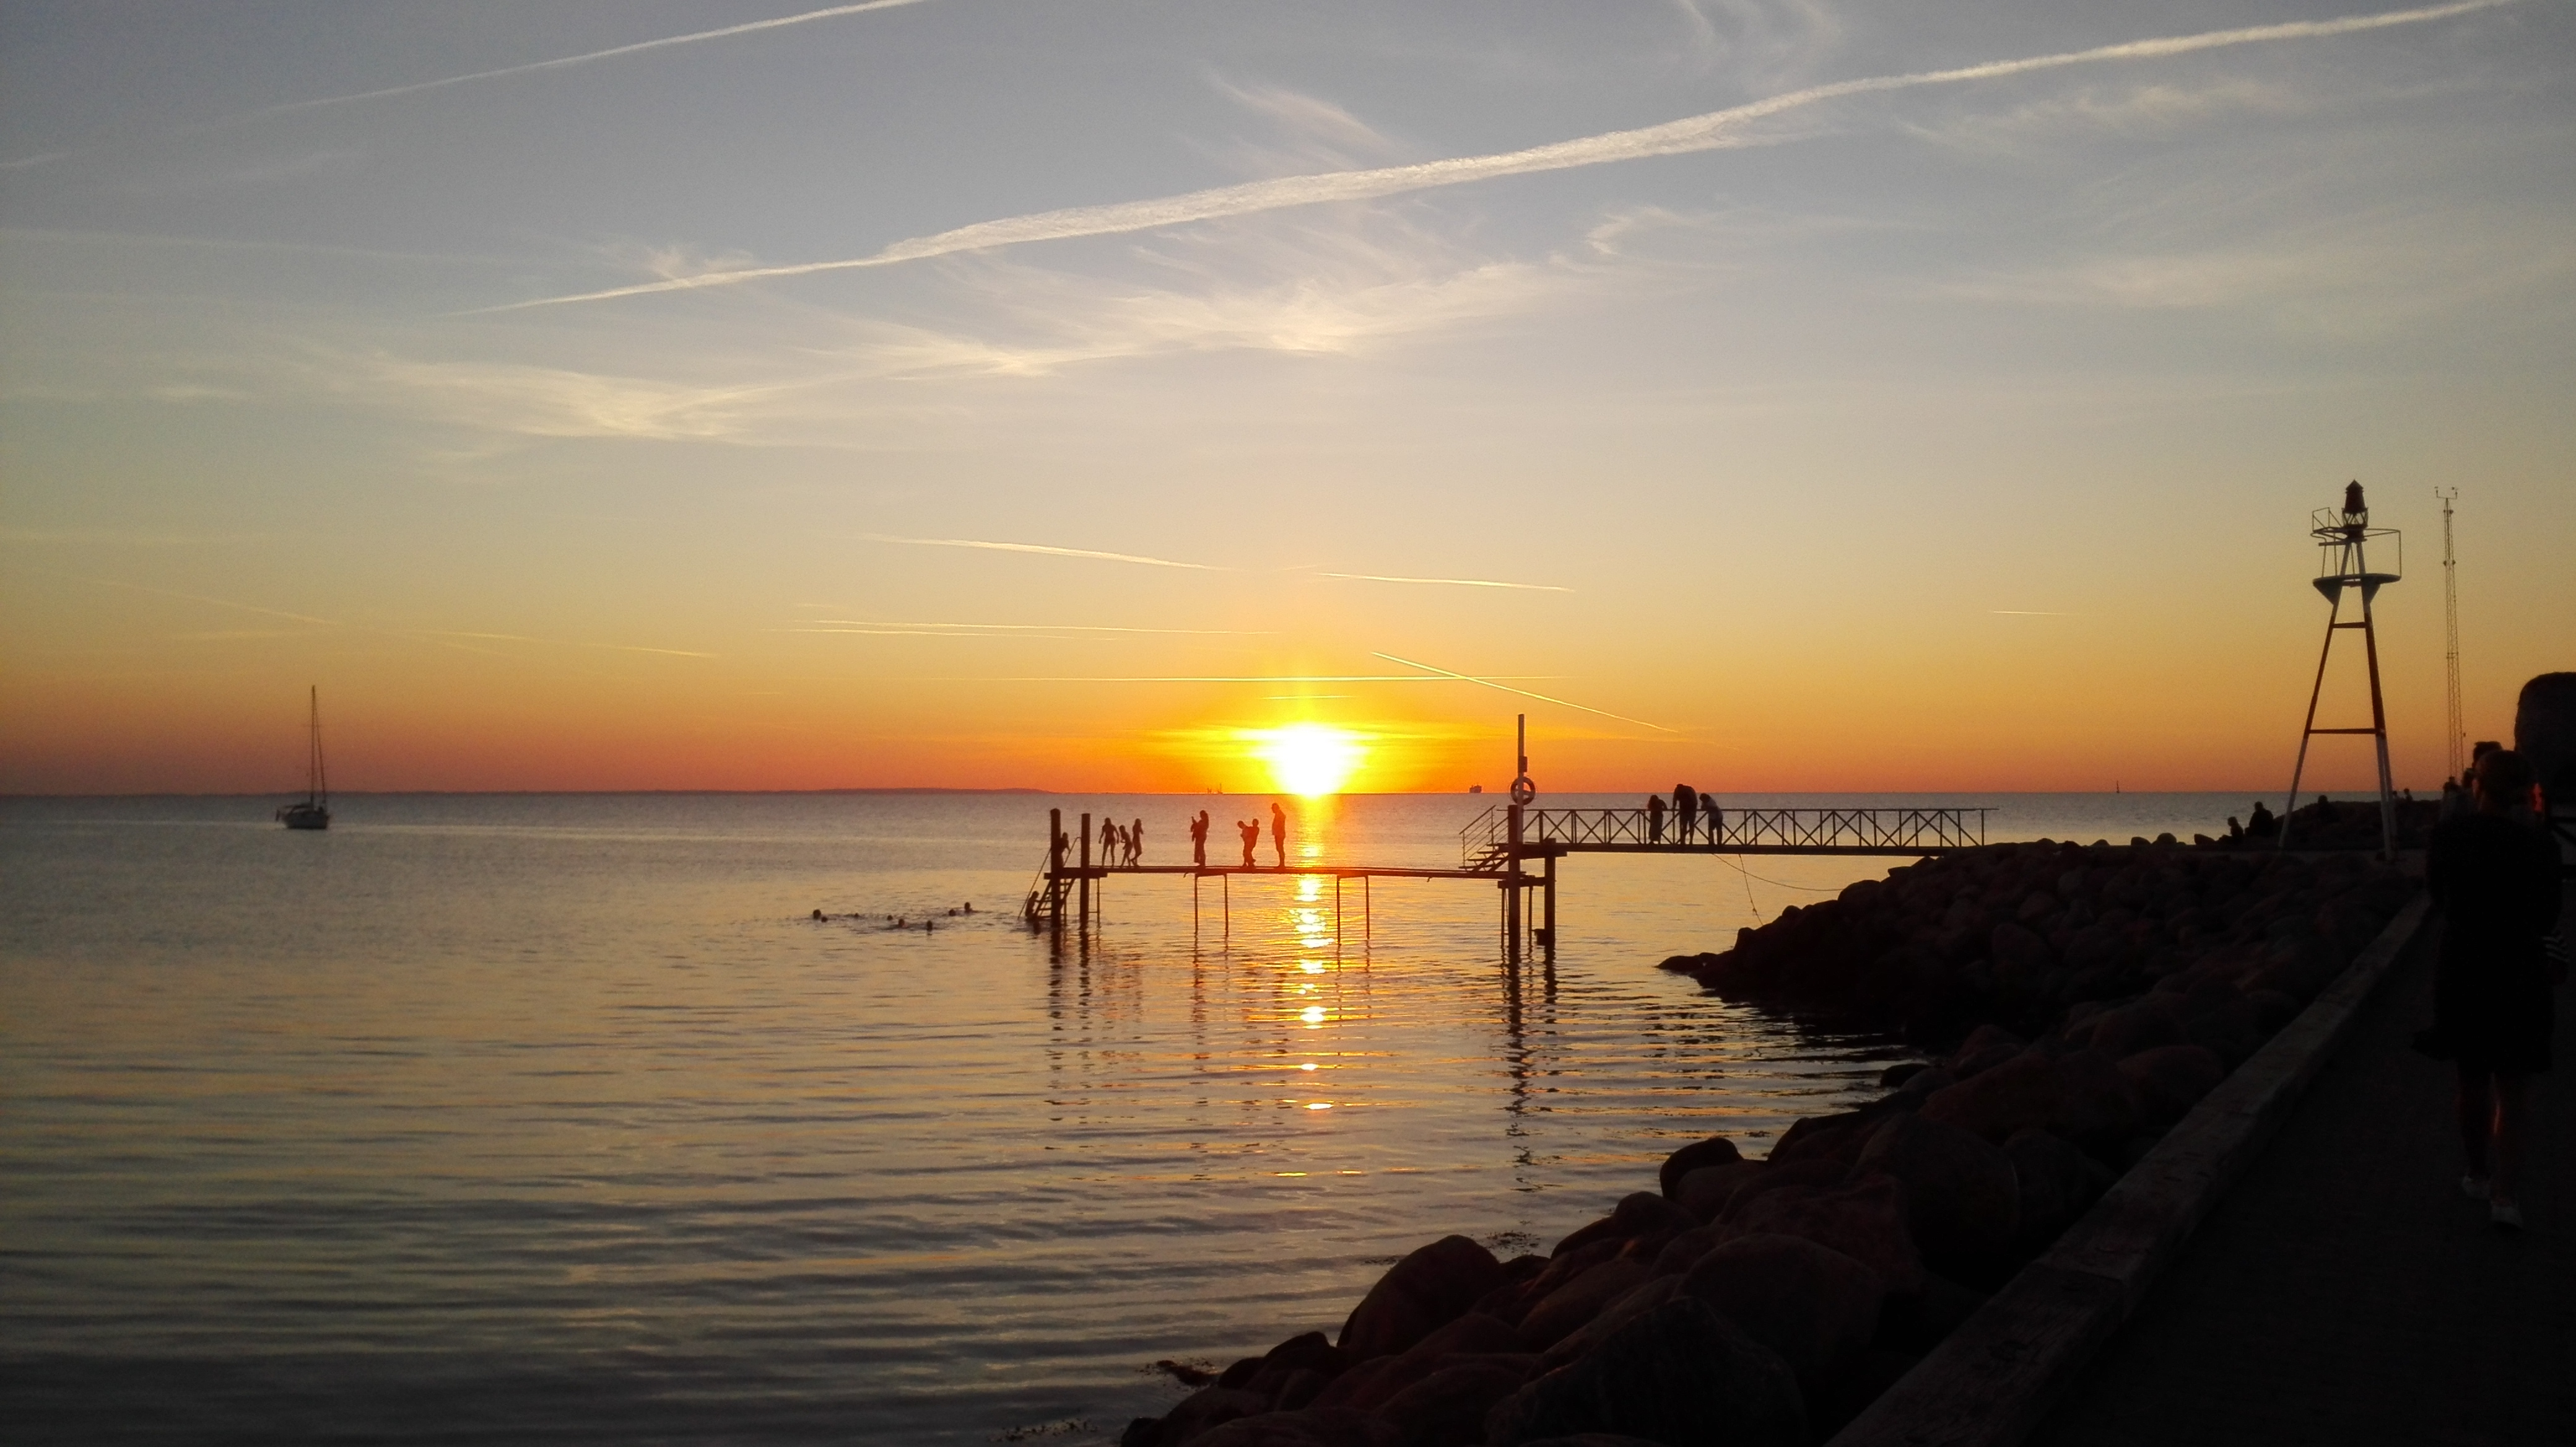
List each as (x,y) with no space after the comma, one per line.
(2379,735)
(2308,730)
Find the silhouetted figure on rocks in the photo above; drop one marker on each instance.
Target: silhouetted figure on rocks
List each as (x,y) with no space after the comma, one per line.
(1279,833)
(1198,839)
(1654,818)
(1251,830)
(2262,823)
(1685,811)
(2496,880)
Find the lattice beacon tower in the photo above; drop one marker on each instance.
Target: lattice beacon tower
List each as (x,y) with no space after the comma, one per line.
(2344,538)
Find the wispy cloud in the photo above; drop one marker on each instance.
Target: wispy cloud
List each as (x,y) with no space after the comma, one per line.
(1448,582)
(443,637)
(1007,630)
(561,62)
(1043,550)
(1731,128)
(1489,682)
(1270,678)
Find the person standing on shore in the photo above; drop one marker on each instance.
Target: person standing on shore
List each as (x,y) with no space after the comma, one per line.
(1198,839)
(1279,833)
(2496,880)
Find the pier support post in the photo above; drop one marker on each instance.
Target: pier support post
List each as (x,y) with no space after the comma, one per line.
(1512,887)
(1550,911)
(1055,876)
(1085,887)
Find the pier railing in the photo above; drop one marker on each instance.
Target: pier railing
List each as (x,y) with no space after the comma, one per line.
(1485,843)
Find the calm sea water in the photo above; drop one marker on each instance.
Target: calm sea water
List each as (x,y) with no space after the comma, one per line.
(556,1117)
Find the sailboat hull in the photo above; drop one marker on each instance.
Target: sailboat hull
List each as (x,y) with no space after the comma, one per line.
(304,816)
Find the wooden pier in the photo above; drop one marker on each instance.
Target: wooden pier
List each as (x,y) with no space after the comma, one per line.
(1515,847)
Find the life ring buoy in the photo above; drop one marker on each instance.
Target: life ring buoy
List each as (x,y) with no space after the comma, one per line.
(1523,790)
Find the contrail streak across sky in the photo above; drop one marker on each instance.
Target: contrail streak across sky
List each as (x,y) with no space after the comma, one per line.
(1523,692)
(1041,548)
(1715,130)
(1449,582)
(560,62)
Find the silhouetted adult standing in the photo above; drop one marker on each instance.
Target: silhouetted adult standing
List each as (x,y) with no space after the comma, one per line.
(1685,811)
(1654,818)
(2496,880)
(1251,830)
(1198,839)
(1135,843)
(1279,833)
(1108,843)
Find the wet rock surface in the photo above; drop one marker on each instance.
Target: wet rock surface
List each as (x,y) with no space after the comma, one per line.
(2080,1000)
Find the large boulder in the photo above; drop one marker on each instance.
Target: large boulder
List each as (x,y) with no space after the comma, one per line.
(1423,1292)
(1815,1171)
(1577,1301)
(2023,1091)
(1448,1407)
(1705,1191)
(2143,1024)
(1961,1200)
(1812,1304)
(1636,1302)
(1680,1375)
(2057,1182)
(2171,1080)
(1864,1220)
(1311,1427)
(2095,1103)
(1640,1213)
(1717,1150)
(1515,1306)
(1198,1414)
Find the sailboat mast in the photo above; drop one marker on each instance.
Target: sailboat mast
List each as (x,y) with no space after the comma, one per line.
(317,782)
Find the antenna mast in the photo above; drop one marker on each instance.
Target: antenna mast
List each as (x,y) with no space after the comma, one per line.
(2455,737)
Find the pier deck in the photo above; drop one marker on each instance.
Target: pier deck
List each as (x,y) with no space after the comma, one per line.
(2345,1291)
(1501,846)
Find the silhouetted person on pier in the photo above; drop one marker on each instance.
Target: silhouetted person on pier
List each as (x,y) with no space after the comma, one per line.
(1654,818)
(1279,833)
(2262,823)
(1108,843)
(1135,843)
(1198,839)
(1251,831)
(2496,880)
(1685,811)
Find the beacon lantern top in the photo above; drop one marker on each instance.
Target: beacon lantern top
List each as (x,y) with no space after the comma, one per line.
(2344,540)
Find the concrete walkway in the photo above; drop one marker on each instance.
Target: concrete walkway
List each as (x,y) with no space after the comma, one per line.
(2345,1291)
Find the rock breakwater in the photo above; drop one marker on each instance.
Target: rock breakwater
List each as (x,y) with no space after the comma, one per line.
(2082,999)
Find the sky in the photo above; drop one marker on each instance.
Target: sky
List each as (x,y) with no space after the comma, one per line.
(1811,395)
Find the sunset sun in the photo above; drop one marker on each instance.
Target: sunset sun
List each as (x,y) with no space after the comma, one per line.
(1310,759)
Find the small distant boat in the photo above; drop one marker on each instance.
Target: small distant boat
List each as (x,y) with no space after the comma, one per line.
(315,811)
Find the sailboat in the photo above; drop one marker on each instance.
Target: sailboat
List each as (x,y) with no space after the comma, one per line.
(315,811)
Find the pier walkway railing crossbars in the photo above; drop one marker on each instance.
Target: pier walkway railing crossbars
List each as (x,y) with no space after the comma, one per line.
(1485,844)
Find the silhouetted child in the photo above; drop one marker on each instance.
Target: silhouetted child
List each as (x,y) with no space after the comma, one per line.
(1654,818)
(1198,839)
(1135,843)
(1251,839)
